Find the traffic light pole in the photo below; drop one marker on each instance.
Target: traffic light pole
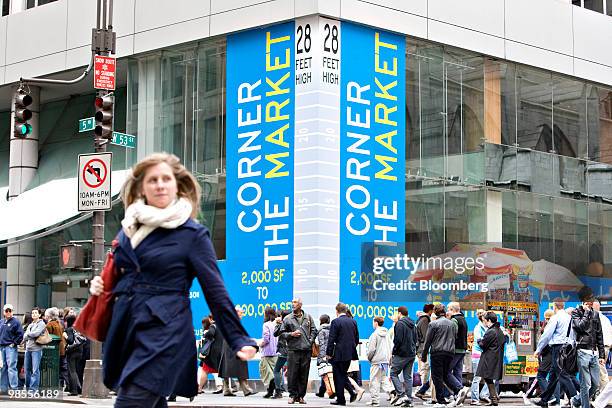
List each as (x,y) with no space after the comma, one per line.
(102,44)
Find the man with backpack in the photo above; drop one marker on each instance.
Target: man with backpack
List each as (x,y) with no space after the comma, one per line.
(556,334)
(590,345)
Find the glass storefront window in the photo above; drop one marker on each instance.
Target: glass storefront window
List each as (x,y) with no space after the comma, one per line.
(179,103)
(465,215)
(569,117)
(425,122)
(570,177)
(425,218)
(599,114)
(501,166)
(534,110)
(571,234)
(600,242)
(535,226)
(509,220)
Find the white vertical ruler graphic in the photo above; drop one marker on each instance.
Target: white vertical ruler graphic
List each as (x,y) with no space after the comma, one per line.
(317,163)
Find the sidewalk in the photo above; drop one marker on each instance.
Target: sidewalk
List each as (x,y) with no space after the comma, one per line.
(215,400)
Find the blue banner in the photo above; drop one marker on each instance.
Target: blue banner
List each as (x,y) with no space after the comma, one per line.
(372,153)
(260,166)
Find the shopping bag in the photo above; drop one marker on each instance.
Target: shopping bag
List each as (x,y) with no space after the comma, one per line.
(328,380)
(510,353)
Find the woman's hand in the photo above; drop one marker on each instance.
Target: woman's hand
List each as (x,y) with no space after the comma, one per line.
(246,353)
(97,286)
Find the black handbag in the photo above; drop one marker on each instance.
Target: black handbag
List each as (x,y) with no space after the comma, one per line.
(568,356)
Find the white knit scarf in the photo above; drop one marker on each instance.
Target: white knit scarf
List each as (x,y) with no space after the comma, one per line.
(142,219)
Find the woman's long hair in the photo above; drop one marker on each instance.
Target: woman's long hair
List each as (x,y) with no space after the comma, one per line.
(187,186)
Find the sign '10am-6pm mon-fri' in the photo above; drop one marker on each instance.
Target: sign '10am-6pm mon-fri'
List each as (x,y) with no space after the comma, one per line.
(94,174)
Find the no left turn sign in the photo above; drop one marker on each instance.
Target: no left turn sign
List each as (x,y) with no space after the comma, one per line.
(95,182)
(94,173)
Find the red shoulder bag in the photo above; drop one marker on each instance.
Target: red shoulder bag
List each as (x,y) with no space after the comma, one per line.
(94,319)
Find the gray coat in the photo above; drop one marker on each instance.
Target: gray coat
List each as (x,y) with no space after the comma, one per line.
(379,351)
(322,338)
(33,331)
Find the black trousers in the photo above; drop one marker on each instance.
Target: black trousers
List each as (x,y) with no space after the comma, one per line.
(440,371)
(341,382)
(558,376)
(134,396)
(298,365)
(74,358)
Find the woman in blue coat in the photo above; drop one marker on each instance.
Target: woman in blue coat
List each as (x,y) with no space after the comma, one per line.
(150,350)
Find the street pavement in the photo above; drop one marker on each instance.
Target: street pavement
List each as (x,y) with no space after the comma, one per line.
(212,400)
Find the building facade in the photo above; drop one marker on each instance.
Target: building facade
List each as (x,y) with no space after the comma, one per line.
(315,126)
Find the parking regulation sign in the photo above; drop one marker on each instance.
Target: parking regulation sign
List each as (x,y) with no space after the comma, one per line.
(104,72)
(95,182)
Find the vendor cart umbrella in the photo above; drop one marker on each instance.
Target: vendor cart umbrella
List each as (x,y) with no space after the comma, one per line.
(550,276)
(495,260)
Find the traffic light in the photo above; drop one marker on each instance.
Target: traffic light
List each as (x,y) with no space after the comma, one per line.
(22,113)
(104,117)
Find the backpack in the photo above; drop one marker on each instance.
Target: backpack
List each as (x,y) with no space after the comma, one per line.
(568,356)
(204,349)
(78,340)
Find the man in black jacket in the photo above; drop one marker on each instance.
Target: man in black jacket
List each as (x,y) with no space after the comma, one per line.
(11,335)
(402,360)
(422,326)
(299,330)
(341,349)
(441,342)
(589,341)
(456,365)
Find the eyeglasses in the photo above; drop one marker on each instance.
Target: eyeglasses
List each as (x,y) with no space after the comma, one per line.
(8,310)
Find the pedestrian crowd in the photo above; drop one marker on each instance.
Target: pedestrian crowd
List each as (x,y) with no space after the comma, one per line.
(21,349)
(437,342)
(572,352)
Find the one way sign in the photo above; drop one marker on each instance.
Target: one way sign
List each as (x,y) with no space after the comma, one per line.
(95,182)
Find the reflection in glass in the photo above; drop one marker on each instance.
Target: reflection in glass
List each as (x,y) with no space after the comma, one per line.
(425,219)
(509,220)
(569,117)
(500,166)
(535,226)
(595,5)
(535,172)
(599,181)
(600,242)
(534,110)
(599,113)
(431,99)
(571,234)
(570,177)
(465,215)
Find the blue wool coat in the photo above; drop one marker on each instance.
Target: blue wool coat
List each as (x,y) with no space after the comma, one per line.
(151,342)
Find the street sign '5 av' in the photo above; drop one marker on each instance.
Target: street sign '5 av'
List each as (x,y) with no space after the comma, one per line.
(104,72)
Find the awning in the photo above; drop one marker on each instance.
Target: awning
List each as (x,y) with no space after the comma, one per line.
(46,206)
